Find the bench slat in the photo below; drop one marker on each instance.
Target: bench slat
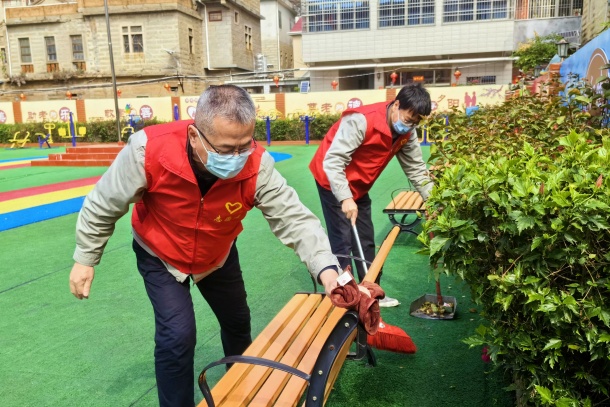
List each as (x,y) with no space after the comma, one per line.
(295,385)
(396,200)
(247,388)
(258,347)
(272,388)
(403,200)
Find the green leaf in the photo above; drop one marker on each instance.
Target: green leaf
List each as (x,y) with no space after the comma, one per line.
(536,242)
(569,300)
(561,119)
(545,394)
(525,222)
(553,344)
(437,244)
(605,337)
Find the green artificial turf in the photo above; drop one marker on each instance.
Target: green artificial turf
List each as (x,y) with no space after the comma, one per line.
(58,351)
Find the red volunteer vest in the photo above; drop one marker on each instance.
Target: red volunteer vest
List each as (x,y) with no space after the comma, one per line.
(370,159)
(189,232)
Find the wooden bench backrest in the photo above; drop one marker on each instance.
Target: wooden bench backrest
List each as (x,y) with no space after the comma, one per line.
(406,200)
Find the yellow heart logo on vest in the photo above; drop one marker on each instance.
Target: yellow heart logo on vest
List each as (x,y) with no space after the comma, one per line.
(233,207)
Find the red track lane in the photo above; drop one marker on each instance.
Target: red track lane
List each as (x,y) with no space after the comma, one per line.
(8,167)
(21,193)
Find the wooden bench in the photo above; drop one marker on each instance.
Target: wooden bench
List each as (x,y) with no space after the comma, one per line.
(302,348)
(406,210)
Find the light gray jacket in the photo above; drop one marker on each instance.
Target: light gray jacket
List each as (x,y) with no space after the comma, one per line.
(349,137)
(125,182)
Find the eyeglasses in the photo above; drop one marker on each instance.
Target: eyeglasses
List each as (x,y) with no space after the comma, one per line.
(243,152)
(408,122)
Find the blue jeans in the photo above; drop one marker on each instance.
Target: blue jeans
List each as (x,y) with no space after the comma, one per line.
(175,328)
(339,229)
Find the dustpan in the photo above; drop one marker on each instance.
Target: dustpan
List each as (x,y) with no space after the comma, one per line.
(434,306)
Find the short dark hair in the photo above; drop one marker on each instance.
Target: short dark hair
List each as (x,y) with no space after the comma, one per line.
(415,97)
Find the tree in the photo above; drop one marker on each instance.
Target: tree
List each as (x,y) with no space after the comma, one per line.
(536,51)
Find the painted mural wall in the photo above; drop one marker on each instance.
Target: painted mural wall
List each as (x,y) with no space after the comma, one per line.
(587,61)
(48,110)
(443,99)
(6,113)
(144,108)
(295,104)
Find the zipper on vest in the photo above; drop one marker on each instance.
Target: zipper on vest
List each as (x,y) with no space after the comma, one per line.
(199,211)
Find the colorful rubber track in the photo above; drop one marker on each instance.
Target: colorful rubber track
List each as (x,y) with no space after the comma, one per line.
(19,162)
(29,205)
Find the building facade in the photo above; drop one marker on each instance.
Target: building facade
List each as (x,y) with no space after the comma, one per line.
(51,47)
(360,44)
(594,14)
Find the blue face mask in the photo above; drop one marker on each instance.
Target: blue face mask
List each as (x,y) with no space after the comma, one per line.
(400,127)
(224,166)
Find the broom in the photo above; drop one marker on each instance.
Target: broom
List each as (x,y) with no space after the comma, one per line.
(388,337)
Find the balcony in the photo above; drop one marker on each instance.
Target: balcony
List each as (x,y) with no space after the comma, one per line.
(27,68)
(52,67)
(80,65)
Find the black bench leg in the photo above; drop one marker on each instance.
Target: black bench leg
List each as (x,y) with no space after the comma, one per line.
(405,227)
(363,349)
(326,358)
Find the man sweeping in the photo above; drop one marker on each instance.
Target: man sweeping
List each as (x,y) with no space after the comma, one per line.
(353,155)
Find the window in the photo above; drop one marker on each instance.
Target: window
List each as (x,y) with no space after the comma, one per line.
(24,48)
(77,47)
(333,15)
(132,39)
(469,10)
(395,13)
(3,55)
(215,16)
(190,40)
(248,37)
(236,17)
(279,19)
(481,80)
(51,52)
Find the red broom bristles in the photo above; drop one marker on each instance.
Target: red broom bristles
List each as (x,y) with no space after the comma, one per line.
(391,338)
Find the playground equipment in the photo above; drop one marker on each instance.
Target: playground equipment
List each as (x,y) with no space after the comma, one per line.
(268,117)
(308,118)
(19,142)
(127,131)
(46,138)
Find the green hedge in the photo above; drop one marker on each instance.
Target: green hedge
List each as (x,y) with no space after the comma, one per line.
(520,212)
(106,131)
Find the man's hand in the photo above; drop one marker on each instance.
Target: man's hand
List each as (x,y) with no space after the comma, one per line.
(328,278)
(350,209)
(81,278)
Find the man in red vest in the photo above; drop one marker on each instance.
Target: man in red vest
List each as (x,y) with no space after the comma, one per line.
(192,183)
(351,157)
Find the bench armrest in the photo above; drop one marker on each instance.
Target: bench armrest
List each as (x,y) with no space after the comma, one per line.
(205,389)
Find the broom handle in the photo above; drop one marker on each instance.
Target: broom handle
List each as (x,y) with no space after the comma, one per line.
(360,251)
(382,254)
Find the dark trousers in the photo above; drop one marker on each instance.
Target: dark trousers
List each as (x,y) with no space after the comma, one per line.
(175,329)
(339,229)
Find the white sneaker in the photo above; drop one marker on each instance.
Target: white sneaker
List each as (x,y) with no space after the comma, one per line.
(387,302)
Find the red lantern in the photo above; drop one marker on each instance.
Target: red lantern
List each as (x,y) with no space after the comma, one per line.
(22,96)
(69,95)
(119,92)
(393,77)
(334,84)
(167,87)
(457,75)
(276,79)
